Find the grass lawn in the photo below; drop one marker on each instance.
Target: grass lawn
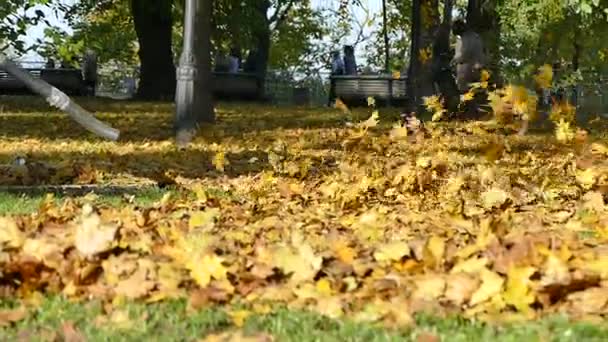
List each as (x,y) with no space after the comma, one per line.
(303,224)
(172,321)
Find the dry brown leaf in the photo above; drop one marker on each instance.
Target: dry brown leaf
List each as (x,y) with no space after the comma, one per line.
(92,236)
(70,333)
(9,316)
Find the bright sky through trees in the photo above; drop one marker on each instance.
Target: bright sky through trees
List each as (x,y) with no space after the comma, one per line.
(374,6)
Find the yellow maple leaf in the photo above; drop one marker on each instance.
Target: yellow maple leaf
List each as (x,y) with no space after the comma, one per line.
(599,149)
(10,233)
(424,55)
(206,268)
(302,265)
(219,161)
(491,285)
(331,307)
(562,111)
(563,132)
(468,96)
(339,104)
(555,271)
(398,132)
(205,218)
(586,178)
(324,287)
(544,77)
(460,287)
(497,102)
(485,75)
(345,253)
(436,248)
(434,105)
(371,101)
(494,198)
(472,265)
(429,287)
(200,192)
(372,121)
(392,251)
(397,74)
(239,317)
(92,235)
(517,292)
(598,266)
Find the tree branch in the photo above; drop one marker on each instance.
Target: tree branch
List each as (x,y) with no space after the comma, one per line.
(280,15)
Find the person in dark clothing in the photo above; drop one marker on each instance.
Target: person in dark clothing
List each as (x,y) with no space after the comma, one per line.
(350,63)
(337,69)
(234,59)
(250,62)
(337,64)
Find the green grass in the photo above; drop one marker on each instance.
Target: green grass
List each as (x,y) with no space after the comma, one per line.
(11,203)
(171,321)
(15,204)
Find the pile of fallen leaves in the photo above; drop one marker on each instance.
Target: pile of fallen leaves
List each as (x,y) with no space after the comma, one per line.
(357,220)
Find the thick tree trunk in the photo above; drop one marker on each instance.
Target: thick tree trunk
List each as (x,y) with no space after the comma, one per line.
(575,63)
(444,79)
(202,49)
(484,19)
(153,24)
(425,22)
(262,38)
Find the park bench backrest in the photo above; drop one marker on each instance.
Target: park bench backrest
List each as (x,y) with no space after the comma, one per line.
(9,83)
(377,86)
(68,80)
(65,78)
(235,85)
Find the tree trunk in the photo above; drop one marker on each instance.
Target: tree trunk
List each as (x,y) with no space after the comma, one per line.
(575,63)
(153,24)
(425,22)
(202,49)
(262,38)
(484,19)
(444,79)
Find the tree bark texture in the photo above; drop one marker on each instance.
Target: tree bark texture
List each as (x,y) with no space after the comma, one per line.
(425,23)
(444,78)
(153,25)
(261,36)
(202,49)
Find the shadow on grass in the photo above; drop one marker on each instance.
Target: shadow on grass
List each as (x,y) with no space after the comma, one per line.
(153,165)
(31,117)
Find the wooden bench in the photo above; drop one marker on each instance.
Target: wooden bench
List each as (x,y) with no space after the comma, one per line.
(236,86)
(67,80)
(354,90)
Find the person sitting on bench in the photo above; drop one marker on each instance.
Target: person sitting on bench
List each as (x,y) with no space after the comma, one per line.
(50,63)
(337,64)
(337,69)
(222,64)
(233,61)
(350,64)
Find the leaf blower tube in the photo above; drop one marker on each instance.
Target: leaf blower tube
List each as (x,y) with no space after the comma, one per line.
(59,99)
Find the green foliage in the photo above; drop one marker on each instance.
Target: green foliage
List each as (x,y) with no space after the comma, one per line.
(104,26)
(15,18)
(295,43)
(548,31)
(398,27)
